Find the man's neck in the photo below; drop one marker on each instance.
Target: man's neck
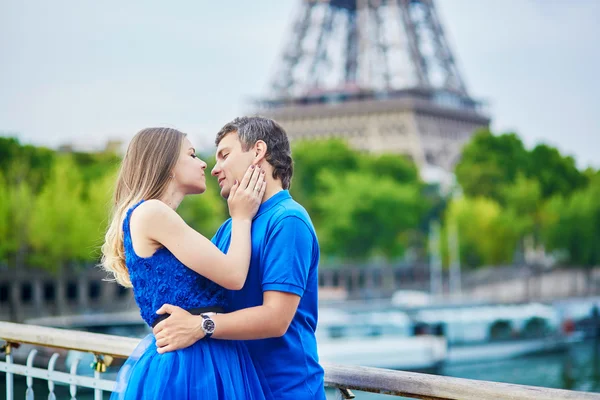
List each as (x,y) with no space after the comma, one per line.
(273,187)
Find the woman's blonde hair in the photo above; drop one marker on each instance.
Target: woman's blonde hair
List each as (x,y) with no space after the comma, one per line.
(144,174)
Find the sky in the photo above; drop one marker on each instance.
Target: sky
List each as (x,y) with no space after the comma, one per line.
(86,71)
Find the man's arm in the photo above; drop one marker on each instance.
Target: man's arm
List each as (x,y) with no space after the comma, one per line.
(271,319)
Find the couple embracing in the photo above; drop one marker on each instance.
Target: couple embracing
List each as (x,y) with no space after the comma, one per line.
(232,318)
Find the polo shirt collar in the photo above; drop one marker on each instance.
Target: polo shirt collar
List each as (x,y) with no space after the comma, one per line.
(273,201)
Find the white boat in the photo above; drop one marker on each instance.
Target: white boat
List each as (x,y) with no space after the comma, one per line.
(581,316)
(377,339)
(494,332)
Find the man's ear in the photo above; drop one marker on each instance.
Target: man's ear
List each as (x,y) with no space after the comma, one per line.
(260,151)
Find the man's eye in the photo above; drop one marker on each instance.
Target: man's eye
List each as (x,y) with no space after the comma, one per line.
(225,156)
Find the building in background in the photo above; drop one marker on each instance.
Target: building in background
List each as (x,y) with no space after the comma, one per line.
(379,74)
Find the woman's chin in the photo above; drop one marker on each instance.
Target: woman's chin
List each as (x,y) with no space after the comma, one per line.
(199,190)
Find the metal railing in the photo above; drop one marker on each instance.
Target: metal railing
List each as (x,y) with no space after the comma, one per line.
(343,378)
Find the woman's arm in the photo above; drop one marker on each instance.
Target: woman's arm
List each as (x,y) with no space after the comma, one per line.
(163,225)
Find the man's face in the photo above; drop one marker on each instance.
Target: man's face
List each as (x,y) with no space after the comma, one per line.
(232,162)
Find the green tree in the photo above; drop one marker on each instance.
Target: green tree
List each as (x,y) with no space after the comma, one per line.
(488,234)
(490,162)
(394,166)
(60,230)
(16,204)
(362,205)
(556,174)
(366,215)
(572,225)
(97,206)
(5,212)
(311,159)
(25,163)
(591,174)
(94,166)
(21,202)
(523,200)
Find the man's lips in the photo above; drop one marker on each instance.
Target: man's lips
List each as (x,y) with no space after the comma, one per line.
(221,182)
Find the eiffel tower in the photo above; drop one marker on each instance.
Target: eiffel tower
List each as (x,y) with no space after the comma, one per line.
(378,73)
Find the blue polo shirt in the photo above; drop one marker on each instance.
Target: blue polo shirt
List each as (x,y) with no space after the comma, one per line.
(285,256)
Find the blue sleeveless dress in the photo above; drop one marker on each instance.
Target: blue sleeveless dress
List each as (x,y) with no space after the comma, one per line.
(211,368)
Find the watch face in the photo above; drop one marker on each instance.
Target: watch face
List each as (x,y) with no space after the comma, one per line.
(208,326)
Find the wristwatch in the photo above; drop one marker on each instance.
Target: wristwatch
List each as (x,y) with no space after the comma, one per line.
(208,325)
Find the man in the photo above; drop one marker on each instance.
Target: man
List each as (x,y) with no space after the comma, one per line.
(278,303)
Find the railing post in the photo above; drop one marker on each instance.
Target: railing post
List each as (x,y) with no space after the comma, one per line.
(29,393)
(7,348)
(51,365)
(346,394)
(100,364)
(73,388)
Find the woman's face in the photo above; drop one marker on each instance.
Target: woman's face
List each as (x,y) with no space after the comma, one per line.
(189,170)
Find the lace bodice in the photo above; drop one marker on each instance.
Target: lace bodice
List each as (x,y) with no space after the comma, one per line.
(162,278)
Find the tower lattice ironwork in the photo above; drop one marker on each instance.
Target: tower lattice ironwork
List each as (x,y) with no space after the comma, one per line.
(379,73)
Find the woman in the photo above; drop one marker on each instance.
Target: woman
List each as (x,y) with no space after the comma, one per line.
(150,248)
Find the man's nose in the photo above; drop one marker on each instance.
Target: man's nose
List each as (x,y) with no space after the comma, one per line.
(215,170)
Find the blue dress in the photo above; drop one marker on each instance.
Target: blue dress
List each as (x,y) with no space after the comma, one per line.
(211,368)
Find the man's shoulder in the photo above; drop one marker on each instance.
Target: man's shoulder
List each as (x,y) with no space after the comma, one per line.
(225,227)
(290,208)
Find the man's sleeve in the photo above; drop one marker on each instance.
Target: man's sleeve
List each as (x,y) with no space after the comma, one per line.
(288,257)
(217,236)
